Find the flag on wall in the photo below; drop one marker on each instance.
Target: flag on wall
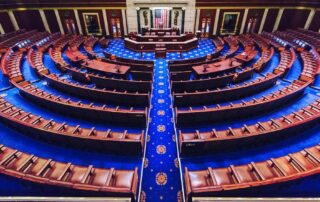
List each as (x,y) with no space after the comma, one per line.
(161,18)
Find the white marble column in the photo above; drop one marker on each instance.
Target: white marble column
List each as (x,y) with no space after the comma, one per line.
(216,20)
(263,21)
(310,18)
(13,20)
(44,20)
(243,24)
(56,12)
(124,20)
(1,30)
(276,24)
(78,21)
(105,20)
(196,28)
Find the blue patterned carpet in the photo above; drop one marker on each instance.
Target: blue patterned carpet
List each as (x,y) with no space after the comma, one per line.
(161,177)
(161,166)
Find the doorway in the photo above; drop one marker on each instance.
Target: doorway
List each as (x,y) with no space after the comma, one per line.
(116,27)
(70,26)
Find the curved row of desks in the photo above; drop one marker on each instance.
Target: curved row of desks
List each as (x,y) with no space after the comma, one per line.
(219,113)
(64,134)
(275,170)
(90,111)
(99,181)
(214,140)
(103,95)
(225,94)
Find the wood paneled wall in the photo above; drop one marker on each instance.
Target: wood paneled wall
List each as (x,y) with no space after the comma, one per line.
(52,20)
(6,22)
(270,20)
(315,23)
(29,19)
(293,19)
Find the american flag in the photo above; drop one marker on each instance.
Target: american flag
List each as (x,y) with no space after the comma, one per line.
(160,18)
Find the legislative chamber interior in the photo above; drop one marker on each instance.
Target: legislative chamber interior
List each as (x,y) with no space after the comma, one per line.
(159,101)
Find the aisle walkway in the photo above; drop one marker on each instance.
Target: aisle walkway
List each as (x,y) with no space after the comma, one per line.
(161,176)
(161,179)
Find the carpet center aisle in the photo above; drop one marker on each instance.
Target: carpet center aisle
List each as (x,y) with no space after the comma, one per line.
(161,175)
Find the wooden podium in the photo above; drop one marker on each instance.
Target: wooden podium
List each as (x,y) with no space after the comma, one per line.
(160,51)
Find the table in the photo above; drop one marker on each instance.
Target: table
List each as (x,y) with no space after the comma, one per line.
(216,68)
(160,52)
(246,56)
(75,56)
(170,46)
(105,67)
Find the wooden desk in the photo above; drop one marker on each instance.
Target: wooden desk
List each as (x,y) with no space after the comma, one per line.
(215,68)
(161,52)
(170,46)
(246,56)
(105,67)
(75,56)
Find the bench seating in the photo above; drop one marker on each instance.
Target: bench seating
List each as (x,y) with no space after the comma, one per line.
(211,82)
(264,59)
(218,43)
(63,41)
(43,45)
(90,111)
(21,36)
(233,44)
(213,181)
(121,84)
(214,140)
(108,82)
(273,41)
(10,65)
(309,36)
(77,41)
(287,58)
(8,36)
(64,134)
(311,65)
(310,57)
(136,65)
(201,84)
(180,76)
(35,60)
(34,40)
(56,56)
(246,41)
(75,56)
(104,42)
(187,64)
(141,75)
(103,95)
(88,45)
(99,181)
(219,113)
(226,94)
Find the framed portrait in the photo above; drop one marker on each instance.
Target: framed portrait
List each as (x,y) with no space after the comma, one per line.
(230,22)
(92,23)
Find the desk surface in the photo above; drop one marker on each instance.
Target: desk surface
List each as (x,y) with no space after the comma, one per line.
(216,67)
(161,42)
(105,67)
(246,56)
(75,56)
